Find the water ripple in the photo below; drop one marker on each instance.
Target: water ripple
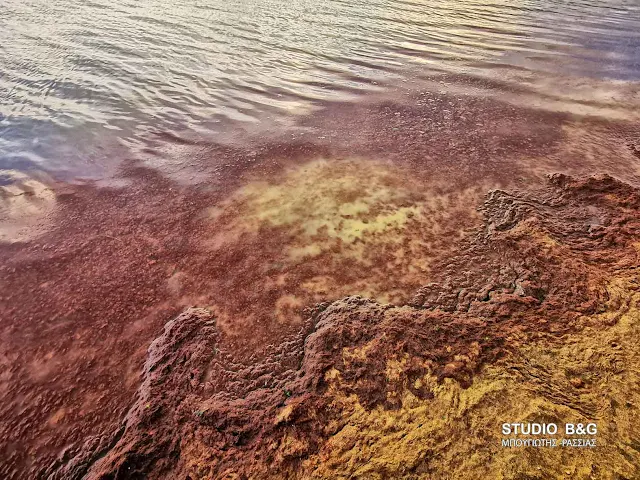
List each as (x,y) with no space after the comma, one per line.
(74,70)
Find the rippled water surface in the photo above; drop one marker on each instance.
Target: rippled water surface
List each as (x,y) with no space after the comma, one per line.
(82,81)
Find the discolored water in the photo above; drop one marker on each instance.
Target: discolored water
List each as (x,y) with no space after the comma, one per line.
(85,81)
(343,148)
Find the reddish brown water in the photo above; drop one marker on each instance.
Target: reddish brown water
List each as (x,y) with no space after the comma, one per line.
(391,187)
(351,178)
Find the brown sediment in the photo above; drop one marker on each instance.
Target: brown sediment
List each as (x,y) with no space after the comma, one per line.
(331,228)
(381,204)
(533,320)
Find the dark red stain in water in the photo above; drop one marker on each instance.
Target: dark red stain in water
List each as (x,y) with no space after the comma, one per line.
(80,304)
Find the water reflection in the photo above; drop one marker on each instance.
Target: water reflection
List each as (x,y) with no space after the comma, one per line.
(79,78)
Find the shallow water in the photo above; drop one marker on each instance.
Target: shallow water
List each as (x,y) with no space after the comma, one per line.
(304,152)
(84,84)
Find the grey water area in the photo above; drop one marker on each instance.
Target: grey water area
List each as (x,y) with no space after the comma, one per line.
(85,84)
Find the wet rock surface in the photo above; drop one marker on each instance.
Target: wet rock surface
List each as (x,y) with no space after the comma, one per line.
(551,273)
